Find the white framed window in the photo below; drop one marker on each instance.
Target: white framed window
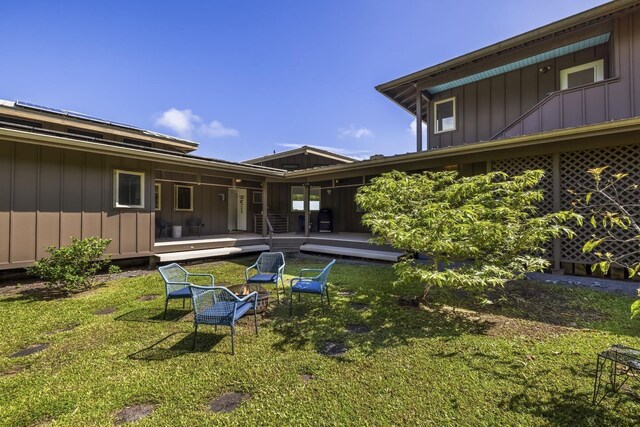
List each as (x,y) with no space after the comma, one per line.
(297,198)
(128,189)
(444,115)
(158,196)
(183,197)
(582,74)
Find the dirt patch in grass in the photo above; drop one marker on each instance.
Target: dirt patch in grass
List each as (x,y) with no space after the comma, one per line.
(61,330)
(105,311)
(228,402)
(346,293)
(306,378)
(149,297)
(134,413)
(12,371)
(358,329)
(359,306)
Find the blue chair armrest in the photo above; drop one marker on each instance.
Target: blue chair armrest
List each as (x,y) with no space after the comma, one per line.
(202,275)
(307,270)
(246,272)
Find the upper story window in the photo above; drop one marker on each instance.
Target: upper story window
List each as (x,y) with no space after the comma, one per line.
(582,74)
(82,132)
(128,188)
(444,115)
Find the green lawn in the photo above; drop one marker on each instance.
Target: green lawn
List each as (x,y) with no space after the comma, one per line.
(455,362)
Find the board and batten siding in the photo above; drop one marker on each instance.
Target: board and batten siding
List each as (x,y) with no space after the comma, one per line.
(48,195)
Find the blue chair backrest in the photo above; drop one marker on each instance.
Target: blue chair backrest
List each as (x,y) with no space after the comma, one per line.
(270,262)
(173,273)
(323,277)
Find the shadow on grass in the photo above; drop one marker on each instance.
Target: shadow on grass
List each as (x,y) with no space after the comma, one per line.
(168,348)
(153,315)
(389,324)
(549,304)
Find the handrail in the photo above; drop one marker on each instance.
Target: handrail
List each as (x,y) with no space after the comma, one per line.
(270,231)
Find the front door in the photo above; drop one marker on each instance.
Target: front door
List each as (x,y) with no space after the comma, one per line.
(237,209)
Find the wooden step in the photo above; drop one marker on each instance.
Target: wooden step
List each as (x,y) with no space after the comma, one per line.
(182,245)
(209,253)
(352,252)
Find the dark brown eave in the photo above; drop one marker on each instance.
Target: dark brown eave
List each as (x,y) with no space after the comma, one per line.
(125,150)
(443,154)
(305,149)
(400,90)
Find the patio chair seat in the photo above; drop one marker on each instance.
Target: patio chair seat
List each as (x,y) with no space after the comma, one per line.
(180,293)
(263,278)
(308,287)
(224,309)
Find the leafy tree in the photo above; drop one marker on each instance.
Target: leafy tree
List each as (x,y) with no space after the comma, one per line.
(476,231)
(615,222)
(74,267)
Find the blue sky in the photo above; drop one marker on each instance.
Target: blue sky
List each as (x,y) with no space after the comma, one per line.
(246,78)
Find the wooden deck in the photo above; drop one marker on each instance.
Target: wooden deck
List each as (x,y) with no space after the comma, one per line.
(212,246)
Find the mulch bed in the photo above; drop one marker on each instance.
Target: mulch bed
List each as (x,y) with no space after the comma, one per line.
(134,413)
(228,402)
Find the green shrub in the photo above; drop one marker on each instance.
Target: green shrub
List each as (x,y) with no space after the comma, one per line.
(74,267)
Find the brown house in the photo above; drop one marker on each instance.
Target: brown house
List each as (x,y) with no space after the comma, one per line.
(561,98)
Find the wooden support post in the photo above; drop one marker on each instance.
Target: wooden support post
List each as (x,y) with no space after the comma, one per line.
(418,120)
(557,244)
(265,207)
(307,218)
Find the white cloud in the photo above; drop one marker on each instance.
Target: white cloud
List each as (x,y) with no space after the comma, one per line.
(186,124)
(354,132)
(412,127)
(215,129)
(356,154)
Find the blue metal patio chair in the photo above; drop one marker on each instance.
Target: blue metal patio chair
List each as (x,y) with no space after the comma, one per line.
(176,280)
(219,306)
(270,268)
(311,284)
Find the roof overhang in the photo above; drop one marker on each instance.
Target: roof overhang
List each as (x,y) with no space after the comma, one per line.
(425,157)
(574,29)
(21,136)
(305,149)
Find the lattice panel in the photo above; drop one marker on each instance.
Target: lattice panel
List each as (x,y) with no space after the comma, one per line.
(518,166)
(574,176)
(521,164)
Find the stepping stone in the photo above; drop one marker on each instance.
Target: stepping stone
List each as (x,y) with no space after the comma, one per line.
(306,377)
(358,329)
(59,331)
(359,306)
(134,413)
(148,297)
(29,350)
(346,293)
(105,311)
(333,348)
(228,402)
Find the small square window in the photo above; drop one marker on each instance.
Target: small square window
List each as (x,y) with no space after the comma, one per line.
(183,198)
(582,74)
(158,196)
(128,189)
(444,113)
(257,197)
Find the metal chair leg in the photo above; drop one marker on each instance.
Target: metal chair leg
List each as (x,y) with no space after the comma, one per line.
(166,302)
(195,332)
(322,302)
(255,320)
(233,341)
(291,304)
(328,302)
(182,302)
(277,292)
